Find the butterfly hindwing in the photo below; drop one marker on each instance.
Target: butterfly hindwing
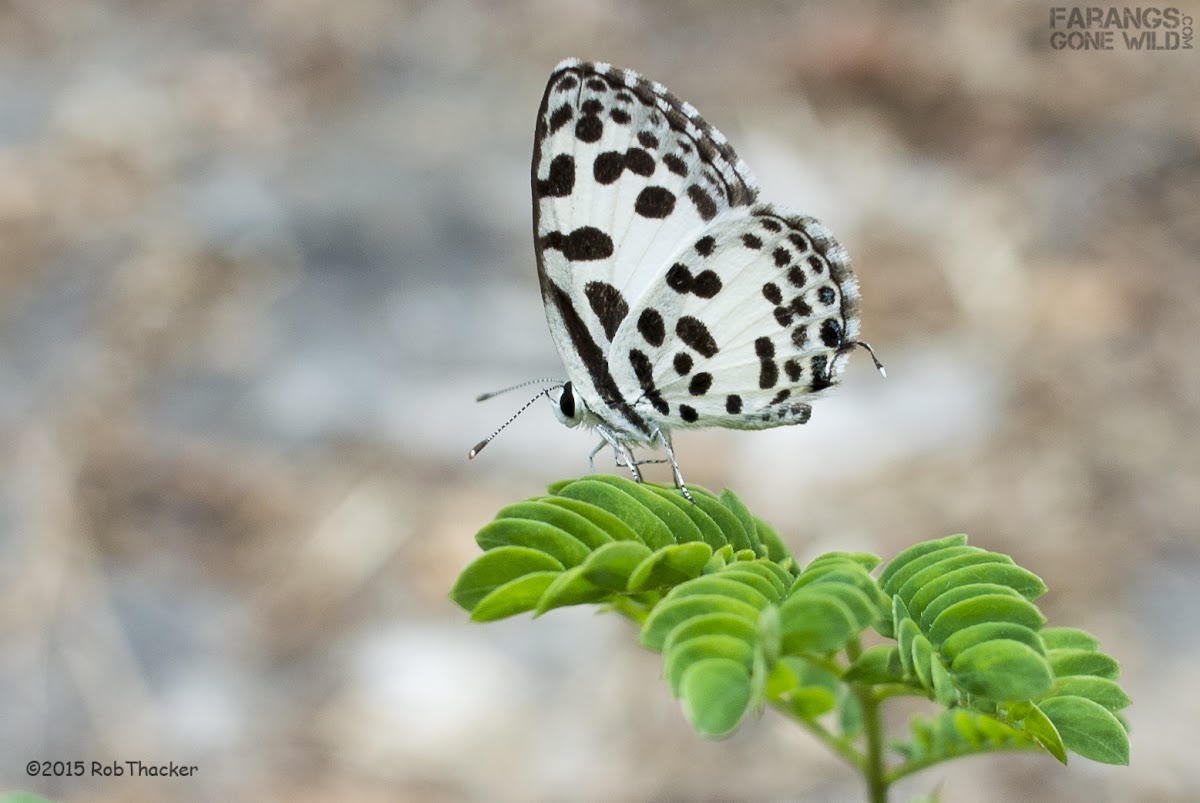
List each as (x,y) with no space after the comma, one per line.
(747,322)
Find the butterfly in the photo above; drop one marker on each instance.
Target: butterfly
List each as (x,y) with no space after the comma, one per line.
(676,299)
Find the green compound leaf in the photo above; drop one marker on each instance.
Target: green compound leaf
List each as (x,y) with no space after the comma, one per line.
(717,694)
(960,732)
(738,622)
(1089,729)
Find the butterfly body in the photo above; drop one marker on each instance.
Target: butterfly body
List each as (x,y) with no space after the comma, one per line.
(676,299)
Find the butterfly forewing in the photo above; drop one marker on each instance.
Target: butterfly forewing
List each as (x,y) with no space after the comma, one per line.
(622,173)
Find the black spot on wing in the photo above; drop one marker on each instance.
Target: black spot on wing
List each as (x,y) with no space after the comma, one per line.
(585,244)
(650,325)
(831,333)
(751,241)
(654,202)
(675,164)
(706,207)
(683,363)
(639,161)
(700,384)
(820,376)
(695,334)
(782,256)
(796,276)
(793,370)
(679,278)
(705,245)
(608,304)
(688,413)
(561,116)
(826,295)
(768,371)
(620,116)
(589,128)
(733,404)
(608,167)
(771,293)
(707,284)
(561,180)
(643,369)
(646,139)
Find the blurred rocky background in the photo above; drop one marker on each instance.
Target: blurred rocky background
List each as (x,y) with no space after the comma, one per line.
(257,258)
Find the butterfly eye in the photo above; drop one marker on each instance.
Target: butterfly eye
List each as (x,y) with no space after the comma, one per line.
(566,402)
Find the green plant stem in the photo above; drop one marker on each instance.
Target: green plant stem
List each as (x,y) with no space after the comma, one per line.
(872,765)
(877,779)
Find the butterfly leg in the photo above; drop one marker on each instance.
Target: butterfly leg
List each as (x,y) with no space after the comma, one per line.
(679,483)
(620,452)
(592,454)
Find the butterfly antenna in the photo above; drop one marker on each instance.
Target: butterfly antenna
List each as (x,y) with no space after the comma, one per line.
(479,446)
(871,351)
(518,386)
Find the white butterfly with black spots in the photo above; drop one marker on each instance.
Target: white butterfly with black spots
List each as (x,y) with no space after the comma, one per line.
(676,300)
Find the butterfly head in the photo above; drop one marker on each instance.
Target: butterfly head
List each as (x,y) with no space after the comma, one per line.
(568,407)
